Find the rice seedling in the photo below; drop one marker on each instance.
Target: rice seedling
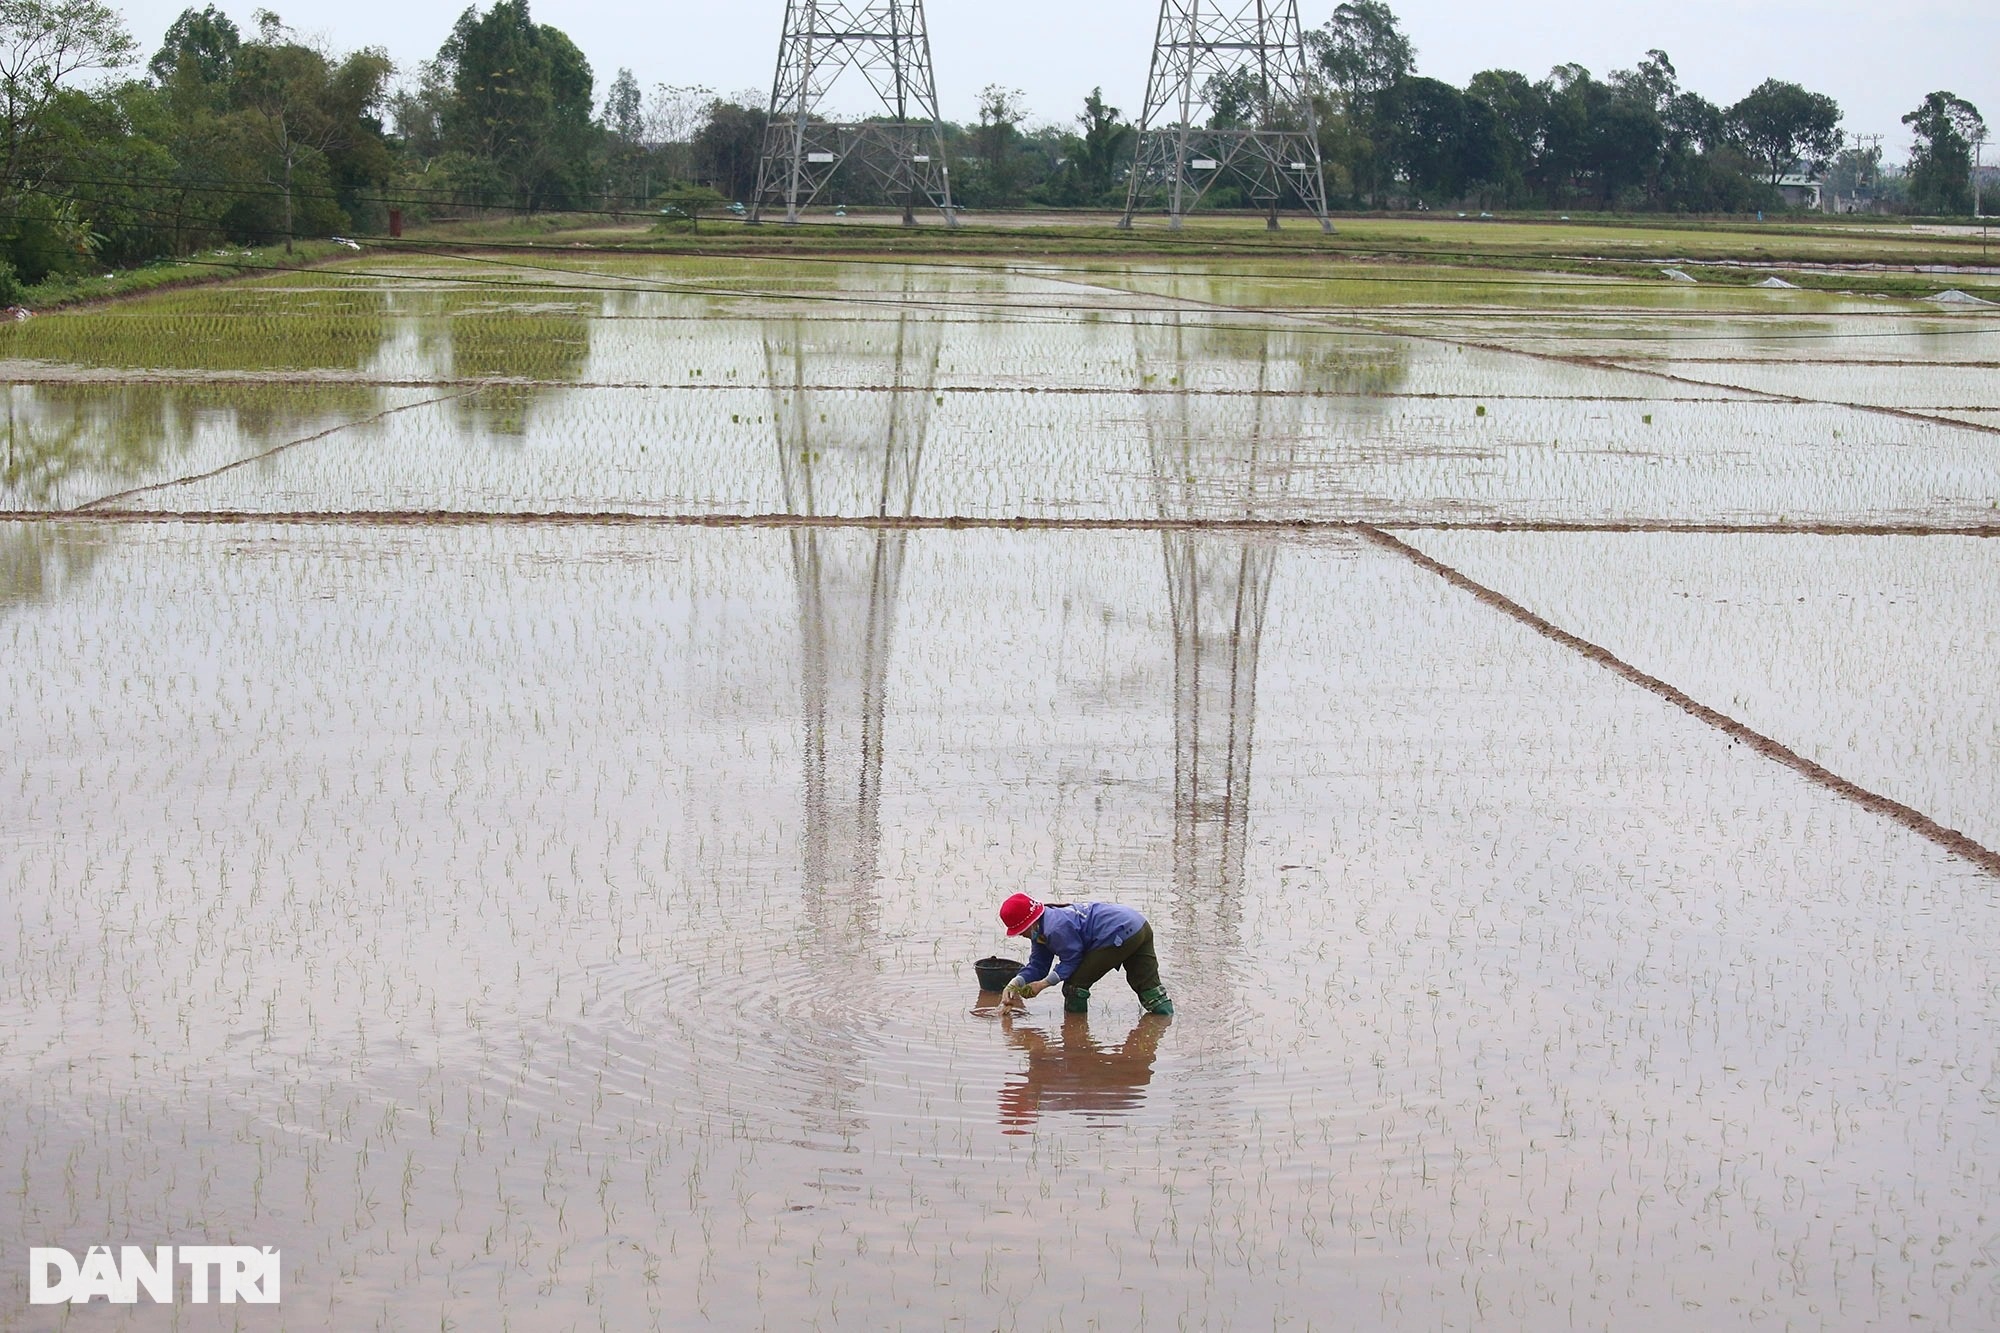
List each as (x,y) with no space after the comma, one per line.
(568,918)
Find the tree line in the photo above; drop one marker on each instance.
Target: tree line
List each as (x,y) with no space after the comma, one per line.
(113,155)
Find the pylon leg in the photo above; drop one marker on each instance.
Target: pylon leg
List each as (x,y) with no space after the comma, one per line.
(1187,141)
(889,43)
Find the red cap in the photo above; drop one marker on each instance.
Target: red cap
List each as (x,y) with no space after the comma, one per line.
(1019,913)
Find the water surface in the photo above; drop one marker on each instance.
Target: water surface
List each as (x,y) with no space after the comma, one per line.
(574,920)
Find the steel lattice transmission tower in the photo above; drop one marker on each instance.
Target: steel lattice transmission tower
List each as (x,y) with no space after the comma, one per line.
(901,152)
(1229,98)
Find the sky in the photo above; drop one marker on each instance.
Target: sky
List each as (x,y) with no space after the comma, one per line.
(1876,60)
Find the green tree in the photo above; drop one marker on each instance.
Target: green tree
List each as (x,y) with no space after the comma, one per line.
(1362,53)
(1782,125)
(1702,169)
(1239,98)
(201,43)
(1562,169)
(1104,144)
(1625,142)
(687,202)
(522,100)
(727,147)
(194,71)
(1511,110)
(310,121)
(995,144)
(44,44)
(627,155)
(1601,141)
(674,115)
(1644,96)
(1654,81)
(114,146)
(1945,126)
(418,112)
(625,108)
(1428,141)
(1081,168)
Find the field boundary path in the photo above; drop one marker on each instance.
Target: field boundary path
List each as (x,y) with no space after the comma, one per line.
(117,508)
(89,506)
(98,511)
(1363,322)
(1952,840)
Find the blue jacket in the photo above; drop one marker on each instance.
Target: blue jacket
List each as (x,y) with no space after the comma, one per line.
(1068,933)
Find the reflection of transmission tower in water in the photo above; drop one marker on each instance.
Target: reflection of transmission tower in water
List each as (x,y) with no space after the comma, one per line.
(843,453)
(1228,98)
(1222,458)
(857,455)
(902,155)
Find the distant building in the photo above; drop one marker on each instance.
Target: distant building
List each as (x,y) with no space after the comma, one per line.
(1800,192)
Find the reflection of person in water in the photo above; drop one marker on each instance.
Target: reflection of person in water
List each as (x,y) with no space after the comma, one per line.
(1076,1074)
(1081,943)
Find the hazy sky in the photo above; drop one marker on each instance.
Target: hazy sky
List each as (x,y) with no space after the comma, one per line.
(1877,60)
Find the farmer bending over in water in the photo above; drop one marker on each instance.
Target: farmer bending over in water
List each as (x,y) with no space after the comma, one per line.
(1089,939)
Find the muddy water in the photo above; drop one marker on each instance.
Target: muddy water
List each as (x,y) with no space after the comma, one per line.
(571,925)
(620,965)
(1880,656)
(1004,399)
(1912,386)
(67,444)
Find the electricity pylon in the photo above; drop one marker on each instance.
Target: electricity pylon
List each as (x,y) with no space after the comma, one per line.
(902,153)
(1229,98)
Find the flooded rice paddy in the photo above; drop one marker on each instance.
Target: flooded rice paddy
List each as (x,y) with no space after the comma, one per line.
(510,769)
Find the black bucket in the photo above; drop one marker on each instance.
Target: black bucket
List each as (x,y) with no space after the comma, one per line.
(995,973)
